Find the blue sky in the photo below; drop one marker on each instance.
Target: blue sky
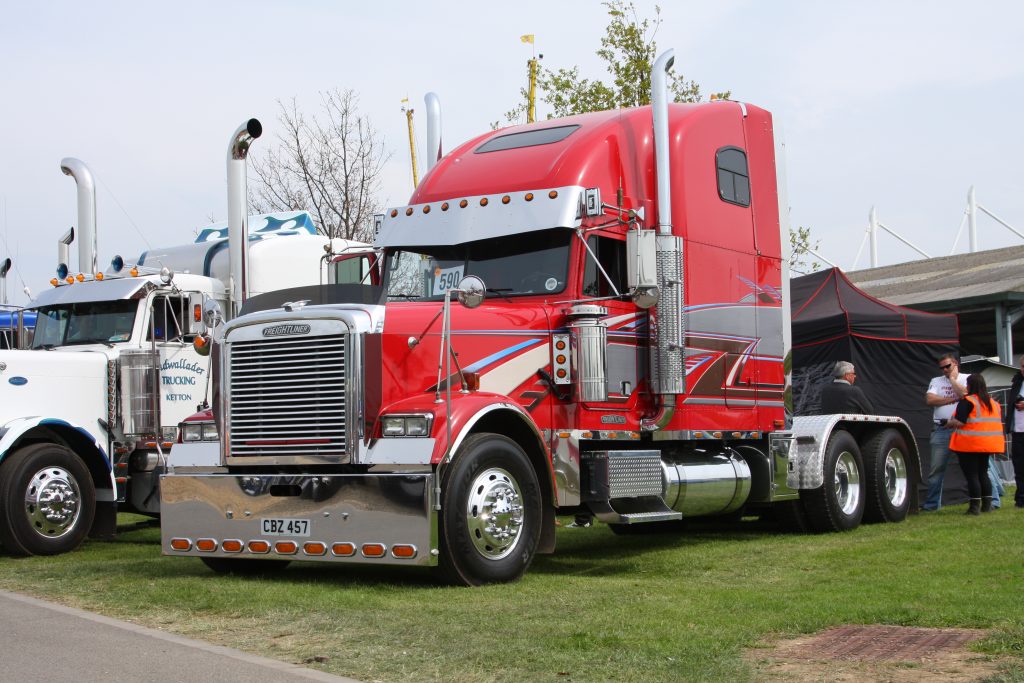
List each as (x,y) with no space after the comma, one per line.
(898,105)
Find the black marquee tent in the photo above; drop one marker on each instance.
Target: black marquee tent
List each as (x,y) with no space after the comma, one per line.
(894,349)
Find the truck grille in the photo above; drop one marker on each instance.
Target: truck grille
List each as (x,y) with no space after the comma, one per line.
(288,397)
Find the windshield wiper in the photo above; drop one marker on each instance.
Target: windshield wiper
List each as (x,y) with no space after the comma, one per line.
(500,291)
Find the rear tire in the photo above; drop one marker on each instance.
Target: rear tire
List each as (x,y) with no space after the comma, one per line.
(47,500)
(888,477)
(244,566)
(490,513)
(838,504)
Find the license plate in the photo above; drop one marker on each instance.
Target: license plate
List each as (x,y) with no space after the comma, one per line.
(282,526)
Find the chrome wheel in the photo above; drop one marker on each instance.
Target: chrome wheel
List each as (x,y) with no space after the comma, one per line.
(494,513)
(53,502)
(847,482)
(895,477)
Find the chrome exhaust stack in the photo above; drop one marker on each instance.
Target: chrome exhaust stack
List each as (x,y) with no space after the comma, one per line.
(86,213)
(238,211)
(668,370)
(433,129)
(64,250)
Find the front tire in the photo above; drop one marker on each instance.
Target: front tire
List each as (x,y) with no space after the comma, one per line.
(888,479)
(47,498)
(838,504)
(490,513)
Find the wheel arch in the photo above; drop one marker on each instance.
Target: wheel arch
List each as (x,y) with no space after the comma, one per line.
(813,432)
(78,440)
(515,425)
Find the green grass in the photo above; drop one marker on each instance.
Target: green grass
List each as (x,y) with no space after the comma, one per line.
(602,608)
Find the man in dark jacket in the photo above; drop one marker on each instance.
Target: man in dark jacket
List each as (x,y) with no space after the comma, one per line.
(842,397)
(1013,424)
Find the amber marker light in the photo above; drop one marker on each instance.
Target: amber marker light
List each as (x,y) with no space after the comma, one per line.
(80,277)
(471,380)
(343,549)
(181,544)
(231,546)
(506,199)
(717,435)
(54,282)
(314,548)
(408,212)
(394,212)
(426,208)
(553,194)
(561,373)
(560,358)
(529,196)
(444,206)
(560,345)
(259,547)
(286,547)
(373,550)
(98,276)
(70,279)
(483,201)
(134,272)
(404,552)
(206,545)
(464,203)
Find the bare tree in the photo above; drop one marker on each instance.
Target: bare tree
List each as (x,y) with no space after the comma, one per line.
(329,165)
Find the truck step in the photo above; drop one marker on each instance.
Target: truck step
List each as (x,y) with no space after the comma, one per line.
(634,511)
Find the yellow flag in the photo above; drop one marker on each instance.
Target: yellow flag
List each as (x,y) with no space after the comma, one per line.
(527,38)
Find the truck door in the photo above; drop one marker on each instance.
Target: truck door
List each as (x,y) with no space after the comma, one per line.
(626,324)
(183,372)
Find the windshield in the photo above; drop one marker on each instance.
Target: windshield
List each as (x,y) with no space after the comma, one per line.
(91,322)
(530,263)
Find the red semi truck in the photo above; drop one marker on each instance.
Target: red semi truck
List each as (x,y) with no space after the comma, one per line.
(620,346)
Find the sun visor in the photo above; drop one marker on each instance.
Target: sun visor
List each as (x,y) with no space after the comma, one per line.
(468,219)
(82,292)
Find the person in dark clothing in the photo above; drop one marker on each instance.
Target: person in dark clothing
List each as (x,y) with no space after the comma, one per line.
(1013,424)
(841,396)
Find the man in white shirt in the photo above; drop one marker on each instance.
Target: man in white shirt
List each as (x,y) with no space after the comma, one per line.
(943,394)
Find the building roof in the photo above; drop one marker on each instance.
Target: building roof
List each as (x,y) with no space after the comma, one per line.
(953,282)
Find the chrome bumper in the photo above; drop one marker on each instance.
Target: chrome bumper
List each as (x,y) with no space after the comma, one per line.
(371,518)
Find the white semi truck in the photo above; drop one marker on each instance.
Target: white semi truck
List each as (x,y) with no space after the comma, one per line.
(89,408)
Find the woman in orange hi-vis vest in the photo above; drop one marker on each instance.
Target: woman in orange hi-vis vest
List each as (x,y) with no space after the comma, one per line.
(978,425)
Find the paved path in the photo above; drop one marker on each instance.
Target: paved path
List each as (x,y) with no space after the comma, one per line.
(41,641)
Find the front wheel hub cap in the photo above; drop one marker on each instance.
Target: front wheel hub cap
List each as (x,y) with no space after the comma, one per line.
(494,513)
(53,502)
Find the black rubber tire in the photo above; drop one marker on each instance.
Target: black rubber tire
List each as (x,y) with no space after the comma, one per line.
(837,505)
(487,463)
(59,475)
(244,566)
(889,479)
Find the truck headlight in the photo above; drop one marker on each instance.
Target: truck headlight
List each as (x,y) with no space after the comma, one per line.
(406,425)
(209,431)
(191,432)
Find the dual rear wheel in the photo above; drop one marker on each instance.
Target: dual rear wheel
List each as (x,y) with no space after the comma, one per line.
(870,484)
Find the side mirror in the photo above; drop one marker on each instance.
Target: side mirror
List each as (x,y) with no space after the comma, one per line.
(471,291)
(212,314)
(642,267)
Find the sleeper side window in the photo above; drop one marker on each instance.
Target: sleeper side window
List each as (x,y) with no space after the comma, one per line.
(733,176)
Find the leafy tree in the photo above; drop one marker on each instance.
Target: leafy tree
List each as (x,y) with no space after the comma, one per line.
(628,49)
(801,260)
(330,165)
